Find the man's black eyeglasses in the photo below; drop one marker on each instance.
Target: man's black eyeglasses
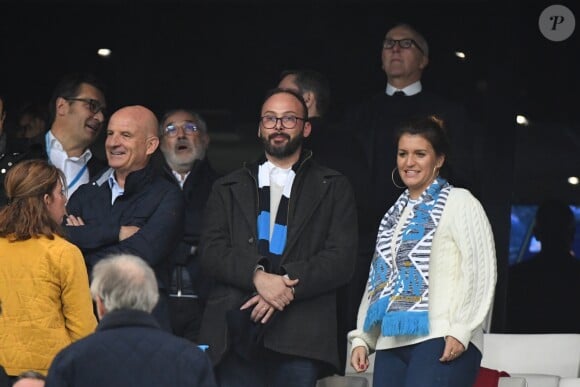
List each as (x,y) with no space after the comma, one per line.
(94,105)
(403,43)
(287,122)
(188,128)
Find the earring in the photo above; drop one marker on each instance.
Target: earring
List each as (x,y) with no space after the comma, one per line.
(393,179)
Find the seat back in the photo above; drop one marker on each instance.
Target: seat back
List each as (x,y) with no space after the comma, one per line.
(550,354)
(343,381)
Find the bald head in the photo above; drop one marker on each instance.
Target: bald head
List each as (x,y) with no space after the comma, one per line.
(140,116)
(131,140)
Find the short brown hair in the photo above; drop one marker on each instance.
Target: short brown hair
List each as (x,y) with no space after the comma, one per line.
(26,215)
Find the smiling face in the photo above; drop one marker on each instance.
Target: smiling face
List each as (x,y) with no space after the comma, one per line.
(80,125)
(417,162)
(403,66)
(182,149)
(131,139)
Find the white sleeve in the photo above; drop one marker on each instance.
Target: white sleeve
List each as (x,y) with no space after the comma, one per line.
(474,238)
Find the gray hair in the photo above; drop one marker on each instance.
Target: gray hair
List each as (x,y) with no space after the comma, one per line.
(419,37)
(125,281)
(197,118)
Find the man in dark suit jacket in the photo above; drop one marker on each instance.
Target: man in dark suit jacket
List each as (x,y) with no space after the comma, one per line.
(405,55)
(184,141)
(128,347)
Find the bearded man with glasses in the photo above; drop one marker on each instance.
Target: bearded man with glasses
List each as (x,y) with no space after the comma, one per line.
(279,240)
(184,140)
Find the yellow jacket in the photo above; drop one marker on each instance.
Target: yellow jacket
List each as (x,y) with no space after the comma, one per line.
(45,302)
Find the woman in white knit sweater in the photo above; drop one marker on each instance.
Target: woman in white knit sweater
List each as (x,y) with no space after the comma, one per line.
(432,277)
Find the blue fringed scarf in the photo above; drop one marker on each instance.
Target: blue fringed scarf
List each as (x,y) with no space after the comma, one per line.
(399,285)
(273,248)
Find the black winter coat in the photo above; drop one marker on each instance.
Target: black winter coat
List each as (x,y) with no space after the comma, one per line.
(320,251)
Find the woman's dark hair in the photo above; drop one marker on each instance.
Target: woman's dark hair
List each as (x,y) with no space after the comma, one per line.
(26,215)
(432,129)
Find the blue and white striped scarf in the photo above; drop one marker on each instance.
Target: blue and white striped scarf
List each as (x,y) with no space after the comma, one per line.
(273,248)
(399,285)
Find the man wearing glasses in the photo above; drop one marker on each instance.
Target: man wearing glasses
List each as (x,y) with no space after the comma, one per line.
(404,57)
(77,110)
(184,142)
(279,239)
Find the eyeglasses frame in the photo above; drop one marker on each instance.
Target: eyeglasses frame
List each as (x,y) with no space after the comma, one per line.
(95,106)
(185,131)
(398,42)
(281,122)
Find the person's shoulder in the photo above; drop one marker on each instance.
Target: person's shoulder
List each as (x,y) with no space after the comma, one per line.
(325,174)
(323,171)
(64,242)
(160,181)
(442,103)
(459,193)
(207,170)
(462,199)
(234,176)
(369,100)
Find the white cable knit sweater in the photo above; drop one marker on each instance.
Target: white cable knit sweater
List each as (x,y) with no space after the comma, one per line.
(462,276)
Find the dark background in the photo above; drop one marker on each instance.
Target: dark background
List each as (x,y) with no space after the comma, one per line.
(219,57)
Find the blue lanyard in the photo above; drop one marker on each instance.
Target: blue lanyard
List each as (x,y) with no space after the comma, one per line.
(78,175)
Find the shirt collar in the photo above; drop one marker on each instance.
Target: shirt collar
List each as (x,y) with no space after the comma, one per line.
(116,189)
(180,179)
(412,89)
(53,143)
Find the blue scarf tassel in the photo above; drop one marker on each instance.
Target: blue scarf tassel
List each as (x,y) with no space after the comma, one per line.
(405,323)
(375,312)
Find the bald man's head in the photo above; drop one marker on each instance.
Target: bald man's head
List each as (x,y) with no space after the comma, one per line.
(131,139)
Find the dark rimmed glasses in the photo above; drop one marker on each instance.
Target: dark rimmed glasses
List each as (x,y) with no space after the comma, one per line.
(389,43)
(189,128)
(287,122)
(94,105)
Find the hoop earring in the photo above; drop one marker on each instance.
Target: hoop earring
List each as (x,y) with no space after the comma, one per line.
(435,174)
(393,179)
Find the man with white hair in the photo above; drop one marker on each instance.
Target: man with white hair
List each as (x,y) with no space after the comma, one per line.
(128,347)
(184,140)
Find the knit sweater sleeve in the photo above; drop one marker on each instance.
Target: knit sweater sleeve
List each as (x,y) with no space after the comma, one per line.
(477,274)
(358,337)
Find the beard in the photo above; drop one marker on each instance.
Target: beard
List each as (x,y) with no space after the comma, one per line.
(282,151)
(183,162)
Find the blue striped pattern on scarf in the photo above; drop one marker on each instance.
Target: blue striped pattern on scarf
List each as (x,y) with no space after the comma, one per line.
(273,248)
(399,285)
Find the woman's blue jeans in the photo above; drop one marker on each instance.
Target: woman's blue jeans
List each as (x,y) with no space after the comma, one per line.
(418,365)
